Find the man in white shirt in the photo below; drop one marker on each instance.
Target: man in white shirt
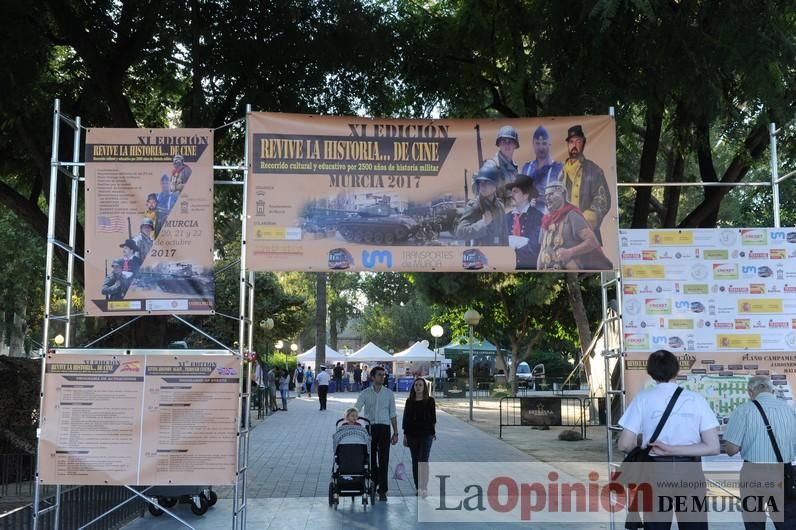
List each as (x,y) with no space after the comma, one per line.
(377,403)
(690,432)
(322,384)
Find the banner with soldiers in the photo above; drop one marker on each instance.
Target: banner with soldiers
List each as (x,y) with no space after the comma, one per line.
(149,221)
(358,194)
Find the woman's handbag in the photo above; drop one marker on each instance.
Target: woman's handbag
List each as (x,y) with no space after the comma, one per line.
(788,483)
(631,472)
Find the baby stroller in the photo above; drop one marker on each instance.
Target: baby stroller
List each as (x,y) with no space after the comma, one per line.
(351,468)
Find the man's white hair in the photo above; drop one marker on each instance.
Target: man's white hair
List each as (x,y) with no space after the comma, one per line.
(760,383)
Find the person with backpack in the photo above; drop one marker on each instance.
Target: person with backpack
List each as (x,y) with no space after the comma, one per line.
(308,378)
(298,377)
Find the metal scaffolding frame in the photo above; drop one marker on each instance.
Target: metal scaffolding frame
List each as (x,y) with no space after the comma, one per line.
(71,169)
(611,285)
(614,280)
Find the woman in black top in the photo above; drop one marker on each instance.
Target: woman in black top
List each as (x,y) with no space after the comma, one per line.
(420,418)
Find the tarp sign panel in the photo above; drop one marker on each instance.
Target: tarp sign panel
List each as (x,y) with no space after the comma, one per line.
(722,300)
(139,419)
(149,221)
(359,194)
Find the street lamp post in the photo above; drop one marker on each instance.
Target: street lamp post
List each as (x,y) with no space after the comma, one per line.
(293,349)
(472,318)
(436,332)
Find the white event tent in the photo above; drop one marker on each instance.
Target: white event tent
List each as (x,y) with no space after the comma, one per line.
(332,356)
(418,352)
(370,353)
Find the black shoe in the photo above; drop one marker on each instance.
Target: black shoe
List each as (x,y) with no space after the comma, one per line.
(382,496)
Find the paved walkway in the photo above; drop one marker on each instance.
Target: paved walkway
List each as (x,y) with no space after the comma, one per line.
(290,464)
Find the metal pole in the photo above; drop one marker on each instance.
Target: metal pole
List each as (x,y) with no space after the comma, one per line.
(70,267)
(772,134)
(434,373)
(250,343)
(471,372)
(239,492)
(48,289)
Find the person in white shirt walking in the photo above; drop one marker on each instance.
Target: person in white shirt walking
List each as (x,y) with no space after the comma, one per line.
(377,403)
(322,385)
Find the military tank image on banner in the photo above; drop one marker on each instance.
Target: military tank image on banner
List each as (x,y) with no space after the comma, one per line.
(185,280)
(381,224)
(377,223)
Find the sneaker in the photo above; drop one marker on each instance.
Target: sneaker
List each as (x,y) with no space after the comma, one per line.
(382,496)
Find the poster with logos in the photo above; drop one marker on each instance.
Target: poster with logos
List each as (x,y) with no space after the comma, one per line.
(359,194)
(145,419)
(709,290)
(149,221)
(720,377)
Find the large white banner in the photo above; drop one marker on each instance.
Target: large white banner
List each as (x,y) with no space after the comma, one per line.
(709,290)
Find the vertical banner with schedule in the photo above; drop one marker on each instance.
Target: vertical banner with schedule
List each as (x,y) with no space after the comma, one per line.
(151,419)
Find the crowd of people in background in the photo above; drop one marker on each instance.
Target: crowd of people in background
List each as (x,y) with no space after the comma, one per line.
(278,382)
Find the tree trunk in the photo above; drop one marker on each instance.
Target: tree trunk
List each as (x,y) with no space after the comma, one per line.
(578,312)
(671,195)
(754,146)
(649,155)
(16,340)
(333,332)
(3,346)
(320,319)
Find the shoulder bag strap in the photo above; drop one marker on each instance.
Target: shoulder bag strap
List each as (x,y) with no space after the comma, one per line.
(769,430)
(666,413)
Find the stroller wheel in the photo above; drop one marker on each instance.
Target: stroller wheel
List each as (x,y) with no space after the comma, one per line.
(210,496)
(331,495)
(154,510)
(201,508)
(372,493)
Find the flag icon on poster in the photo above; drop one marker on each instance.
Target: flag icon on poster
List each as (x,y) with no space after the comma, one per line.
(109,224)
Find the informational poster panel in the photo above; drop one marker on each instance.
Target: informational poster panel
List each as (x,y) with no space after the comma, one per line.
(721,377)
(708,290)
(150,419)
(149,221)
(360,194)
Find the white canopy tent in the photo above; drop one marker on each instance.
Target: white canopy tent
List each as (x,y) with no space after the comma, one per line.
(418,352)
(332,356)
(370,353)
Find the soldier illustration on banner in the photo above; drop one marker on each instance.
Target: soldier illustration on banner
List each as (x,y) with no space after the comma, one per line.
(421,196)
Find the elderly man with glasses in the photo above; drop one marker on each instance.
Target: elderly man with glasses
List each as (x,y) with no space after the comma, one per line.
(377,403)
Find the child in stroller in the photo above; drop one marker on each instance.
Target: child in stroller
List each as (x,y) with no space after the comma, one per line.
(351,468)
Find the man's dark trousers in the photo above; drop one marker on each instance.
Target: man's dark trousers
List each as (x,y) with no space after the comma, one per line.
(380,455)
(322,391)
